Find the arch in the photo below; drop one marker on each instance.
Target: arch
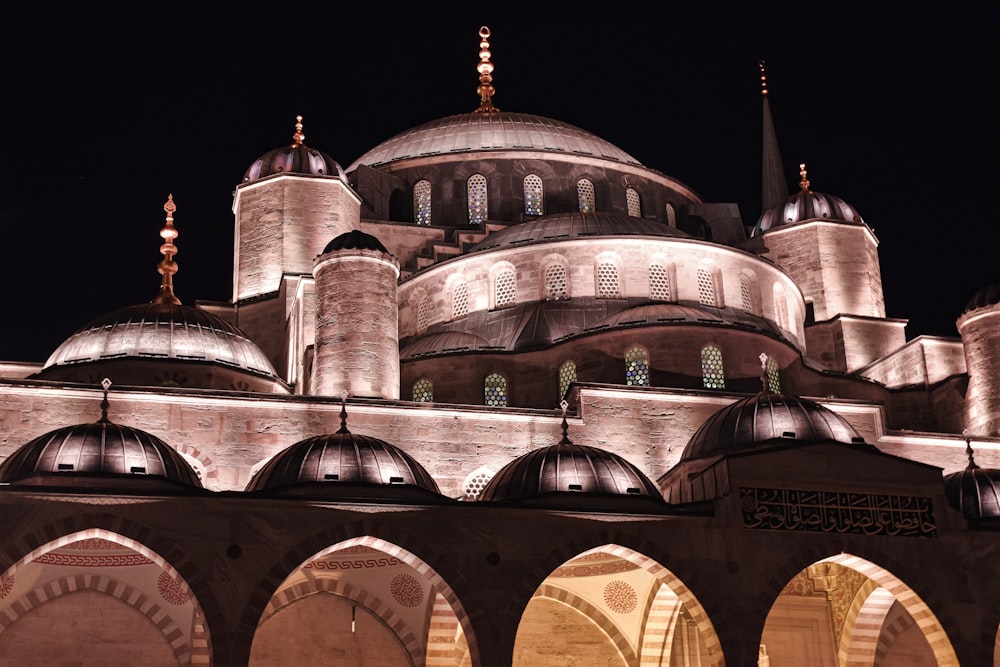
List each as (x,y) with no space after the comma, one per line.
(423,313)
(504,281)
(607,283)
(422,202)
(661,281)
(478,199)
(475,481)
(709,285)
(459,299)
(633,203)
(555,282)
(203,465)
(671,214)
(637,366)
(533,195)
(749,296)
(585,195)
(659,626)
(863,626)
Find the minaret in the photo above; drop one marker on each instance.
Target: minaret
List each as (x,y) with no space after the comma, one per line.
(774,189)
(979,327)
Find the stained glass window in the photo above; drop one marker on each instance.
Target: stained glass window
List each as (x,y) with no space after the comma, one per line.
(607,281)
(459,301)
(712,373)
(495,390)
(585,193)
(555,282)
(659,283)
(505,289)
(567,376)
(632,203)
(532,195)
(477,199)
(637,367)
(422,202)
(423,390)
(773,376)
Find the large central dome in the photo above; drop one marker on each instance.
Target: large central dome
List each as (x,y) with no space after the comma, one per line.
(494,131)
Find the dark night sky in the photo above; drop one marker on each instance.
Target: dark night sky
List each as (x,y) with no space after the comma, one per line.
(107,109)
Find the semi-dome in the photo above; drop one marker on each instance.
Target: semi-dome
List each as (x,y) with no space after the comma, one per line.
(103,451)
(493,131)
(566,468)
(339,459)
(295,158)
(162,331)
(983,298)
(764,417)
(558,226)
(355,240)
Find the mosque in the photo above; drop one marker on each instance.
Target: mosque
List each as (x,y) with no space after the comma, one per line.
(497,394)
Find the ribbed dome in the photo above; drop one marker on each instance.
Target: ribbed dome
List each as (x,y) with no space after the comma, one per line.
(805,205)
(975,492)
(758,419)
(987,296)
(162,331)
(98,449)
(342,458)
(294,159)
(497,131)
(355,240)
(568,468)
(574,225)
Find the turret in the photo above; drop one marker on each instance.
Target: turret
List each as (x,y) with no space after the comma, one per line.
(979,327)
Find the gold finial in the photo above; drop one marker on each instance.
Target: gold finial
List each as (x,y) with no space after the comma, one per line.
(485,68)
(298,138)
(763,78)
(167,266)
(105,384)
(804,183)
(968,451)
(565,426)
(343,412)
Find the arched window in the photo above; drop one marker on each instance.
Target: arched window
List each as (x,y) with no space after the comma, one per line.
(671,215)
(780,307)
(659,283)
(707,293)
(585,193)
(532,195)
(713,374)
(423,391)
(477,199)
(459,300)
(773,376)
(504,289)
(632,203)
(422,202)
(567,376)
(637,367)
(495,390)
(607,281)
(423,312)
(555,282)
(746,293)
(475,483)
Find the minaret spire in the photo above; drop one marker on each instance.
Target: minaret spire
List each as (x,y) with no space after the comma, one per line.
(298,139)
(167,266)
(485,69)
(774,188)
(804,178)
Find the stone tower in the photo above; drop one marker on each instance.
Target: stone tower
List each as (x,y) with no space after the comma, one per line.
(979,327)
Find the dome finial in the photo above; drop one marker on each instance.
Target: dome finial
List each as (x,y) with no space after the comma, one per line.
(167,266)
(968,451)
(804,183)
(298,138)
(105,384)
(765,388)
(485,68)
(343,412)
(763,78)
(565,426)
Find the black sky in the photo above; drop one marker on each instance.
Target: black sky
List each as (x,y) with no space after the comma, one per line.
(107,109)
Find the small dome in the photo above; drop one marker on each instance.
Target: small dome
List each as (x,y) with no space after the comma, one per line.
(975,492)
(987,296)
(764,417)
(806,205)
(568,468)
(560,226)
(101,449)
(342,458)
(496,131)
(162,331)
(295,158)
(355,240)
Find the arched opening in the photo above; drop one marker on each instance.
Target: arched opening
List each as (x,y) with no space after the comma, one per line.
(844,610)
(366,602)
(613,606)
(102,597)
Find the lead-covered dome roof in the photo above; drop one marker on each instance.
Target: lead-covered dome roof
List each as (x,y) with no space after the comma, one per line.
(355,240)
(494,131)
(559,226)
(806,205)
(762,418)
(983,298)
(100,450)
(975,491)
(162,331)
(295,158)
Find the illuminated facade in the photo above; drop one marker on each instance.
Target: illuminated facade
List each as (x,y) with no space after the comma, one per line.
(496,394)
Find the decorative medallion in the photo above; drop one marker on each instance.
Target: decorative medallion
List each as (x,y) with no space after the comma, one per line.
(406,590)
(172,590)
(6,584)
(620,597)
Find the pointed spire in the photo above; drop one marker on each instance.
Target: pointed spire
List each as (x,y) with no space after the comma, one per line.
(485,69)
(804,176)
(343,412)
(105,384)
(298,139)
(167,266)
(774,188)
(565,426)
